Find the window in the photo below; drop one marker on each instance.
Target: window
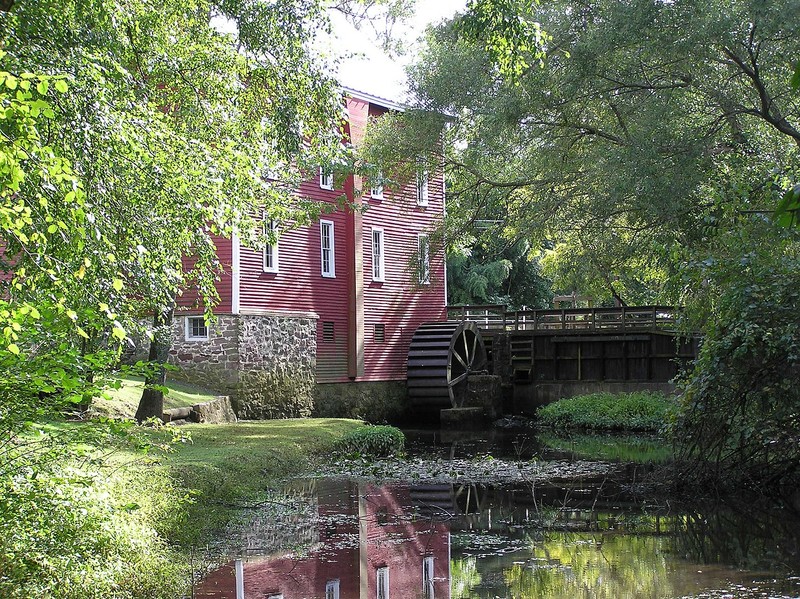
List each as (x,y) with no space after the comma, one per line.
(196,329)
(379,332)
(376,191)
(383,583)
(328,332)
(327,248)
(422,188)
(423,260)
(325,178)
(271,249)
(427,577)
(378,268)
(332,589)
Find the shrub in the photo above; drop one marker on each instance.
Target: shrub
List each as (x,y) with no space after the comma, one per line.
(639,411)
(378,441)
(74,534)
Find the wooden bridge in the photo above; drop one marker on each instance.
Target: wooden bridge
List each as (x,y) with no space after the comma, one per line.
(543,355)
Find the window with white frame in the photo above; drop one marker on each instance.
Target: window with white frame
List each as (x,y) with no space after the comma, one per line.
(383,582)
(327,248)
(332,589)
(378,262)
(325,178)
(423,259)
(271,248)
(422,187)
(427,577)
(376,191)
(196,328)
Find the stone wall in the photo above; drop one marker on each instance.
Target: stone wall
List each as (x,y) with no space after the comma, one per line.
(375,402)
(277,363)
(265,361)
(213,363)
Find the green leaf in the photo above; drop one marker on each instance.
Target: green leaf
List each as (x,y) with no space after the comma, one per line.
(119,333)
(61,86)
(42,87)
(118,284)
(13,348)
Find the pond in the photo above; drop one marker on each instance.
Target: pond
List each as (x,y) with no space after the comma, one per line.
(585,532)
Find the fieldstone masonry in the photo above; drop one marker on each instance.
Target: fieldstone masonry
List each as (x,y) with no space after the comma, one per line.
(265,361)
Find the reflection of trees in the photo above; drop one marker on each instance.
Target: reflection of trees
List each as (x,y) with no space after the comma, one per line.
(749,537)
(577,565)
(463,576)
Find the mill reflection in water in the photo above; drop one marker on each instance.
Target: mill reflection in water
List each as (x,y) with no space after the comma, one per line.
(544,541)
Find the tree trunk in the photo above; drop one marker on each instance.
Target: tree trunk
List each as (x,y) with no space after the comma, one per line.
(151,405)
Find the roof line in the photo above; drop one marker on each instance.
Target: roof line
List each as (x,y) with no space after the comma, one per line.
(373,99)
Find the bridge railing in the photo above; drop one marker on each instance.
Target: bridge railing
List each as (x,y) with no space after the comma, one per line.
(486,316)
(625,318)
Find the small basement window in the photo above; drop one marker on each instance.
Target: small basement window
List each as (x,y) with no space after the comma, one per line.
(196,328)
(328,332)
(379,333)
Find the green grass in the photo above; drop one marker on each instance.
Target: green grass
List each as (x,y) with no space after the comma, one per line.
(125,400)
(640,411)
(232,465)
(103,519)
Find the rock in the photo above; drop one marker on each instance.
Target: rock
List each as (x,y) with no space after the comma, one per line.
(216,411)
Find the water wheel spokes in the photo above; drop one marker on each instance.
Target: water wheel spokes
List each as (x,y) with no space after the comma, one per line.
(441,358)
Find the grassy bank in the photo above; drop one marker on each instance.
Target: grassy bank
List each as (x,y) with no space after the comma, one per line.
(636,412)
(128,524)
(233,465)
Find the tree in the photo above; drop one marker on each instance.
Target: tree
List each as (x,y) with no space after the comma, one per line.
(626,136)
(496,271)
(164,135)
(647,153)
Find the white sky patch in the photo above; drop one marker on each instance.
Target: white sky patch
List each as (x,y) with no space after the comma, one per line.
(370,69)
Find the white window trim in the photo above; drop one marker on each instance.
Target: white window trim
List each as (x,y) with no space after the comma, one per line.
(423,259)
(188,329)
(382,593)
(325,179)
(422,187)
(332,586)
(376,190)
(270,224)
(427,577)
(379,275)
(331,272)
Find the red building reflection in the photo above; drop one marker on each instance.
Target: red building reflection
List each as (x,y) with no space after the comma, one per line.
(373,544)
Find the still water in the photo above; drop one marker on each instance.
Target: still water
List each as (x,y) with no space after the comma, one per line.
(586,538)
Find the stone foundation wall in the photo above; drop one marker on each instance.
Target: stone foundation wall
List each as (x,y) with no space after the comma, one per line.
(375,402)
(266,362)
(277,364)
(213,363)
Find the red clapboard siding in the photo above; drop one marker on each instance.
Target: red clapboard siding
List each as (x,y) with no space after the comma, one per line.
(189,298)
(400,303)
(299,285)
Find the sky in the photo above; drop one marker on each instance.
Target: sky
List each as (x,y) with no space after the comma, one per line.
(375,72)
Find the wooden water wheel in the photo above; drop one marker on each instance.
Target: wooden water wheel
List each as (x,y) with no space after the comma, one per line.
(441,357)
